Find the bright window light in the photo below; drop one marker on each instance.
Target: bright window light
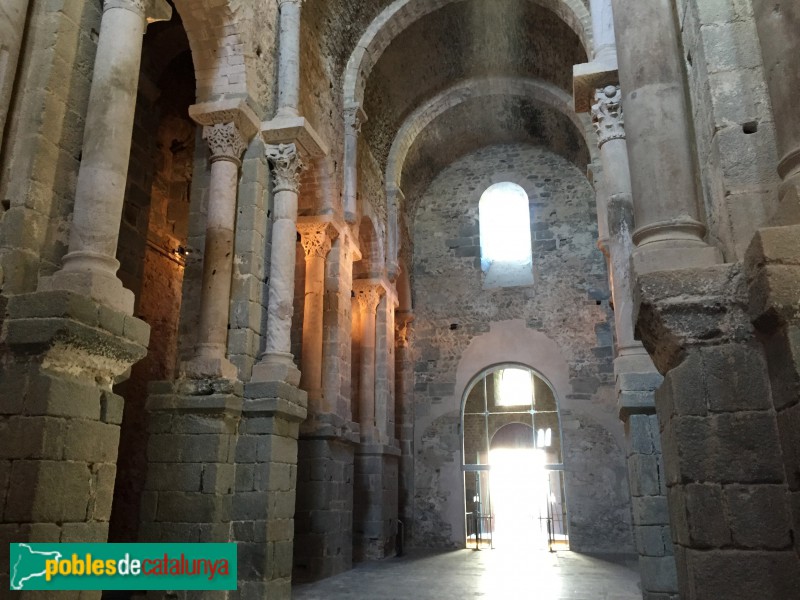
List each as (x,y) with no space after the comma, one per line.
(505,225)
(514,387)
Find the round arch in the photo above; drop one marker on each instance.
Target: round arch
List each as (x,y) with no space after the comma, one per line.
(541,91)
(400,14)
(222,52)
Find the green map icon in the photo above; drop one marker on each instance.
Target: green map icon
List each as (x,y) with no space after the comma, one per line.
(27,564)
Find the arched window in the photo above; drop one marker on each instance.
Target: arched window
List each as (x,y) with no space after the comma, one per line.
(505,229)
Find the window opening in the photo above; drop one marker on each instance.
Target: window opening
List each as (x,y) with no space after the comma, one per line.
(505,235)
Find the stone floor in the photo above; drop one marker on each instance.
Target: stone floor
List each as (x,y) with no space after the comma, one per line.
(489,575)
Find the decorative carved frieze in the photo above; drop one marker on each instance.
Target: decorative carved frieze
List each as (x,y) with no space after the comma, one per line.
(225,141)
(607,117)
(286,166)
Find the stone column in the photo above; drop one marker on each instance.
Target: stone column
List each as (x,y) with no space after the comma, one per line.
(316,240)
(227,132)
(778,24)
(384,366)
(337,333)
(605,47)
(404,390)
(368,293)
(670,231)
(90,266)
(354,118)
(12,28)
(276,364)
(636,378)
(289,58)
(395,200)
(60,419)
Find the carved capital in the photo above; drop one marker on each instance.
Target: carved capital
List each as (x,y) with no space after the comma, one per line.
(368,295)
(402,328)
(225,141)
(286,167)
(316,238)
(607,117)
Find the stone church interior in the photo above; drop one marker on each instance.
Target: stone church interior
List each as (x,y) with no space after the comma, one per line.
(345,280)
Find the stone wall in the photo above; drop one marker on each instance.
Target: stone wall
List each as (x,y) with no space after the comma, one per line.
(735,131)
(461,329)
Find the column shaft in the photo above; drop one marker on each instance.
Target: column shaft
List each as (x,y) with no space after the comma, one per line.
(778,24)
(368,295)
(90,267)
(665,195)
(354,117)
(605,49)
(227,139)
(316,242)
(276,363)
(289,58)
(11,31)
(366,392)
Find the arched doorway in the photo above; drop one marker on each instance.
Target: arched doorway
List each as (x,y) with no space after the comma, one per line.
(512,462)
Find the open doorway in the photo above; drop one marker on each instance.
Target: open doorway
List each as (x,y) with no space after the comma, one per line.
(512,462)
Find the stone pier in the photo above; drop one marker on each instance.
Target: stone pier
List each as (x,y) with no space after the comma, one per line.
(60,419)
(727,485)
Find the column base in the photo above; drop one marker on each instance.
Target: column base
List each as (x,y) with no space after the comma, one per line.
(670,255)
(209,365)
(276,367)
(91,275)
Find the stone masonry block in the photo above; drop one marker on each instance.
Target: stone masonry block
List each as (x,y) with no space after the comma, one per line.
(735,378)
(645,475)
(91,441)
(59,396)
(192,507)
(650,510)
(33,437)
(184,477)
(102,491)
(737,575)
(652,540)
(218,478)
(658,573)
(643,434)
(706,517)
(759,516)
(73,481)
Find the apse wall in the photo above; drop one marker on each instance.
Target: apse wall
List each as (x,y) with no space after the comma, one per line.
(560,326)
